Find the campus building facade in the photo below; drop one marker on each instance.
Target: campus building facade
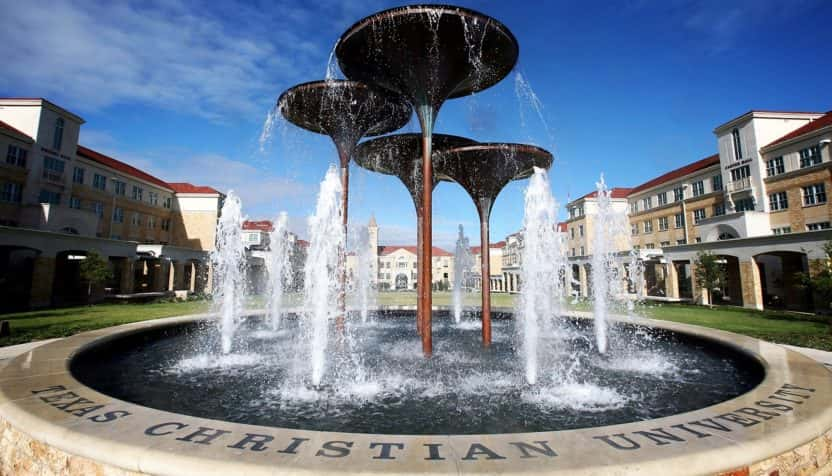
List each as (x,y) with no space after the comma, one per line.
(760,203)
(60,200)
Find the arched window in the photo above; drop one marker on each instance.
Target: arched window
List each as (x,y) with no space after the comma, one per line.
(70,230)
(59,133)
(725,235)
(735,136)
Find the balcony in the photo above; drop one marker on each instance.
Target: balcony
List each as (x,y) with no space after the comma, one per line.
(740,185)
(51,176)
(734,225)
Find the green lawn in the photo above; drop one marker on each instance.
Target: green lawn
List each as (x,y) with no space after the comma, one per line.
(782,327)
(45,324)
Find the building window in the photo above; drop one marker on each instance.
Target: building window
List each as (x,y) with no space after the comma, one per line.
(633,208)
(775,166)
(680,220)
(719,209)
(663,226)
(699,215)
(650,246)
(664,244)
(698,188)
(810,156)
(11,192)
(783,230)
(118,215)
(53,169)
(823,225)
(58,139)
(678,194)
(98,208)
(582,251)
(778,201)
(573,251)
(662,198)
(78,175)
(119,187)
(648,226)
(168,202)
(166,224)
(740,173)
(647,203)
(716,183)
(814,195)
(744,205)
(16,156)
(153,198)
(151,222)
(634,229)
(572,232)
(75,202)
(99,181)
(137,193)
(735,138)
(681,242)
(136,220)
(48,196)
(580,230)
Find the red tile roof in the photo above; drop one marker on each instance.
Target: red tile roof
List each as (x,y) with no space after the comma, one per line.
(615,192)
(500,244)
(562,227)
(120,166)
(185,187)
(386,250)
(8,127)
(262,225)
(677,173)
(821,122)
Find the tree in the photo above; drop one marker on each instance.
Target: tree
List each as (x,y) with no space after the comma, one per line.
(819,279)
(710,272)
(94,270)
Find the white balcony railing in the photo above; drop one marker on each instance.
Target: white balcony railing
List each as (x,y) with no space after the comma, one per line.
(740,185)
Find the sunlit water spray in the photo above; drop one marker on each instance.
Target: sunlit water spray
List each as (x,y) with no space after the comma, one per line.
(280,270)
(543,262)
(463,261)
(610,233)
(228,259)
(364,280)
(322,285)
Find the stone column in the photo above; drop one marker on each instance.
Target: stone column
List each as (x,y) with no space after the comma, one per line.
(671,280)
(160,274)
(582,278)
(43,275)
(179,276)
(752,289)
(127,270)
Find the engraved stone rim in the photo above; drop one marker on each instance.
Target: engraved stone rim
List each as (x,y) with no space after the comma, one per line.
(125,443)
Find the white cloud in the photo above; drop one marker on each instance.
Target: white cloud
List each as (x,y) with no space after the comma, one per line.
(200,59)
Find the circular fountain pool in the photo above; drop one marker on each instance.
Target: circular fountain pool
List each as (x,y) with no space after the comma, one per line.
(161,403)
(383,385)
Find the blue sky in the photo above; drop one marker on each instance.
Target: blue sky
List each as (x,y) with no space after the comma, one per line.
(630,89)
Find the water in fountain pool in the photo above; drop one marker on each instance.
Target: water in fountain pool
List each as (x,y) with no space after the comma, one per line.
(462,389)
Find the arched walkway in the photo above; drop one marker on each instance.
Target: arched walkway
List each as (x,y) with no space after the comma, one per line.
(16,270)
(779,284)
(67,287)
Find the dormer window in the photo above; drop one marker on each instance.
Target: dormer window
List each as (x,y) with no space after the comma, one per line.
(59,134)
(735,137)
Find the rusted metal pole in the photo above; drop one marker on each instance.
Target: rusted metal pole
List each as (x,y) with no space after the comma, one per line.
(426,270)
(485,270)
(420,288)
(345,196)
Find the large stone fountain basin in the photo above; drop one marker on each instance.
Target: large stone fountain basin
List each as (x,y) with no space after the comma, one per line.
(53,424)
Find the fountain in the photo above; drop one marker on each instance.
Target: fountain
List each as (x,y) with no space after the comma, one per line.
(462,266)
(229,260)
(557,391)
(280,270)
(484,170)
(450,52)
(345,111)
(401,155)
